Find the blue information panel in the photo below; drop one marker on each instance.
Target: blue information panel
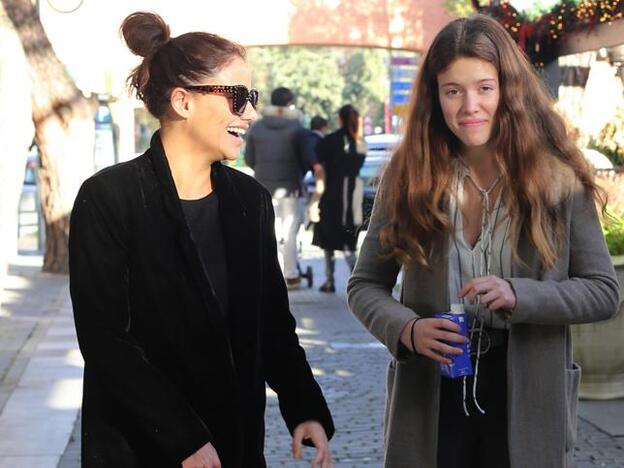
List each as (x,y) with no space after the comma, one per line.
(399,98)
(400,86)
(404,60)
(402,73)
(403,69)
(104,151)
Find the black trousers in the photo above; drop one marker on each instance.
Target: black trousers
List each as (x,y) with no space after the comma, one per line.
(478,440)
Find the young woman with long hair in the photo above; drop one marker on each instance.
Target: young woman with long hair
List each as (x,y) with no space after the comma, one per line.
(181,309)
(342,155)
(486,202)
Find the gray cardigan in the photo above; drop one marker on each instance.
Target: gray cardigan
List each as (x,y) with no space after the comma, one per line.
(542,378)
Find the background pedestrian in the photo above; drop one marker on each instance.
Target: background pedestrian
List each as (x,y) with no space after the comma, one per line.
(308,143)
(342,154)
(272,152)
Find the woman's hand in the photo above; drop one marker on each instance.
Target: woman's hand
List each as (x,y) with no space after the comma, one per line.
(205,457)
(314,431)
(495,293)
(429,336)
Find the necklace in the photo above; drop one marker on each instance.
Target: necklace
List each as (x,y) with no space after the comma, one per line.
(485,193)
(485,252)
(487,223)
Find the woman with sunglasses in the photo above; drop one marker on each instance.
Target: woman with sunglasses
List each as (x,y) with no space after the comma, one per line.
(486,204)
(180,306)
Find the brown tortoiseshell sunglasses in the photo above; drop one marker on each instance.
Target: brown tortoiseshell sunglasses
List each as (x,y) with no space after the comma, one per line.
(239,95)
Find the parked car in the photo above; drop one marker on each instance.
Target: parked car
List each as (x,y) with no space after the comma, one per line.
(29,199)
(30,229)
(380,149)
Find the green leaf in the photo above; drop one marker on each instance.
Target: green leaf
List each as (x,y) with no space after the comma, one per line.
(613,228)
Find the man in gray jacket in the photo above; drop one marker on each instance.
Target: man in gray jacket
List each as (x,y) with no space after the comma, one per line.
(272,152)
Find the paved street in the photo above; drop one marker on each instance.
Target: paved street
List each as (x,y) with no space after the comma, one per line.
(41,371)
(40,389)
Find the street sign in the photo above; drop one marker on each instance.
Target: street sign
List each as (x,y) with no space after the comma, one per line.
(400,86)
(400,109)
(104,151)
(402,73)
(399,98)
(404,60)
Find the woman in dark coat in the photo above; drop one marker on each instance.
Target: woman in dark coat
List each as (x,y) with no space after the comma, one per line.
(180,306)
(342,154)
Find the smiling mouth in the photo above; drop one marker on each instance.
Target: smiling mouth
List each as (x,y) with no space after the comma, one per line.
(236,131)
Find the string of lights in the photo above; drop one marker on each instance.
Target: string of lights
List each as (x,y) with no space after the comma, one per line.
(541,38)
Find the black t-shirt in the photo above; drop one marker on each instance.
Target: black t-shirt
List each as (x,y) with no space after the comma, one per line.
(202,216)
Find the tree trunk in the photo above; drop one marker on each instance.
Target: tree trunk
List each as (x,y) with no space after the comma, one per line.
(64,130)
(16,134)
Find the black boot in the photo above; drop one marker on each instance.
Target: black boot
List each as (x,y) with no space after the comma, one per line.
(328,286)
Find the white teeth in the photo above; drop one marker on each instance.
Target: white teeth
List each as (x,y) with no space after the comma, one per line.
(237,130)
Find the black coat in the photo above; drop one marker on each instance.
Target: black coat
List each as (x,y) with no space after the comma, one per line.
(166,370)
(342,163)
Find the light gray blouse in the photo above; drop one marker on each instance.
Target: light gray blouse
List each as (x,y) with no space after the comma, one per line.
(466,262)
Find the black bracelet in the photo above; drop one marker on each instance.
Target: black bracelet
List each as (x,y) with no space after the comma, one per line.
(412,334)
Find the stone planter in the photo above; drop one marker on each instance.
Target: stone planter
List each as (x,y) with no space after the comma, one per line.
(599,350)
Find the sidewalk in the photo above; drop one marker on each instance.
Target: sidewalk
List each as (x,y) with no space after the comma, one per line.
(40,368)
(40,383)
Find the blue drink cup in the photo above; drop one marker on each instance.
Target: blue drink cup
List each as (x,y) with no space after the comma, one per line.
(460,365)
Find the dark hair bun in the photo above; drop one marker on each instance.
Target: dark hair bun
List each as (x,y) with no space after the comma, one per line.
(195,55)
(144,32)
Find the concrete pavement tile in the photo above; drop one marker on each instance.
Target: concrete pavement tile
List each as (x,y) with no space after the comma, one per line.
(44,375)
(30,462)
(36,404)
(65,317)
(25,440)
(56,345)
(60,333)
(607,415)
(71,357)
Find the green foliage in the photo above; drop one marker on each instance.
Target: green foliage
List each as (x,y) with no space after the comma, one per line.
(541,7)
(312,73)
(366,81)
(460,8)
(613,228)
(610,140)
(324,78)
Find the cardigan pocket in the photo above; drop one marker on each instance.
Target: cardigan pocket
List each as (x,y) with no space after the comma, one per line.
(572,377)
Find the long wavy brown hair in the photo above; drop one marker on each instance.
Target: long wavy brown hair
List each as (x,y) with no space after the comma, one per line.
(539,163)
